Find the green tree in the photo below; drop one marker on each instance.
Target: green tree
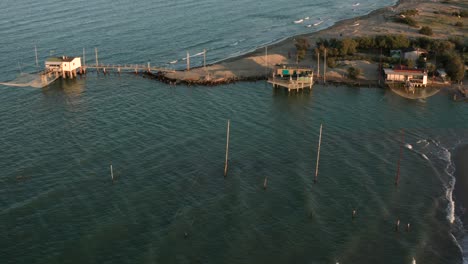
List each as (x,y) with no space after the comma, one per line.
(441,46)
(454,67)
(347,47)
(353,73)
(302,44)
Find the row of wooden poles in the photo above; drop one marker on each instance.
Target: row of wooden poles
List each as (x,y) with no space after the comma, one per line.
(226,161)
(354,211)
(266,177)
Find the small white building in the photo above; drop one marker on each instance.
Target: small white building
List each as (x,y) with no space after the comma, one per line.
(414,77)
(64,65)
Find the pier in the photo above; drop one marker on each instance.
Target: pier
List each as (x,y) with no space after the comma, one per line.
(65,66)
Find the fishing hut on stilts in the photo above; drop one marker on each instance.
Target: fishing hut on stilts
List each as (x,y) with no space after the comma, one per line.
(292,78)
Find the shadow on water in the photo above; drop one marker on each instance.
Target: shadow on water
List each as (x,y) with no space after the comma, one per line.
(65,87)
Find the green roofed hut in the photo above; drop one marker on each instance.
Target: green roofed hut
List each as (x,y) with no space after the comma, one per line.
(292,77)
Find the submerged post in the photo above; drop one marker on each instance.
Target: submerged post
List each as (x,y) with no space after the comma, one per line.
(227,149)
(397,178)
(112,172)
(188,61)
(318,155)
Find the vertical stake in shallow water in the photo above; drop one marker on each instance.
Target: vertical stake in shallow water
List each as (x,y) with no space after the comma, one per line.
(265,183)
(204,59)
(318,155)
(318,62)
(84,57)
(324,65)
(35,52)
(227,149)
(97,62)
(112,172)
(397,178)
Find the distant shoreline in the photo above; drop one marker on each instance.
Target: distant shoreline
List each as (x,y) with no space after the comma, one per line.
(254,65)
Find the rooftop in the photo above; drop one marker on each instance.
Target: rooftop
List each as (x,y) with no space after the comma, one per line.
(405,71)
(60,59)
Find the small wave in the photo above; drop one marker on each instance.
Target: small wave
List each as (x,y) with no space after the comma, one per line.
(424,156)
(408,146)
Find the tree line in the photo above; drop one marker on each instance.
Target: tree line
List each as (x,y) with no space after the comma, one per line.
(448,53)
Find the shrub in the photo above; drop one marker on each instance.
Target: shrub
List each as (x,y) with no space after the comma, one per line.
(425,30)
(353,73)
(410,12)
(331,62)
(459,24)
(407,20)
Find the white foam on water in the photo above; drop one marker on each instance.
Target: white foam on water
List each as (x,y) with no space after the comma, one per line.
(424,156)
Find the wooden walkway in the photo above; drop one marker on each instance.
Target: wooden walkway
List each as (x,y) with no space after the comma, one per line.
(126,67)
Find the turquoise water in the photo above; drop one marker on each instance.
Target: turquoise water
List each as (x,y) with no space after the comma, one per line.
(166,144)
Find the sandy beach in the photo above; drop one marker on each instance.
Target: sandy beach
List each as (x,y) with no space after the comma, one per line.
(255,65)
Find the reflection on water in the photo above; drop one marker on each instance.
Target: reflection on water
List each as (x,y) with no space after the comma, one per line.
(413,92)
(66,92)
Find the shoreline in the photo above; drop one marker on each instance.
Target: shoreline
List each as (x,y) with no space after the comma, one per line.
(461,183)
(254,65)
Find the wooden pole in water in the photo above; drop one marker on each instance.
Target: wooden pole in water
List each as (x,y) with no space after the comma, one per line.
(35,52)
(97,62)
(318,155)
(397,178)
(188,61)
(227,149)
(318,62)
(112,172)
(84,57)
(204,59)
(324,65)
(265,183)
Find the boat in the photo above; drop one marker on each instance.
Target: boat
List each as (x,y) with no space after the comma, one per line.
(308,26)
(306,18)
(298,21)
(356,4)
